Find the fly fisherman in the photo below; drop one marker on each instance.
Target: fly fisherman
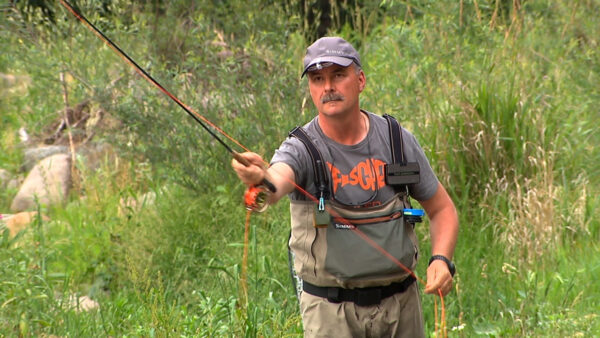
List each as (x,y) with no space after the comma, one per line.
(362,168)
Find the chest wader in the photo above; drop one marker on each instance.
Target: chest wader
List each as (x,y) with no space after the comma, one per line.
(333,262)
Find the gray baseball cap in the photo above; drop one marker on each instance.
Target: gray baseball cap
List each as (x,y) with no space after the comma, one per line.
(329,50)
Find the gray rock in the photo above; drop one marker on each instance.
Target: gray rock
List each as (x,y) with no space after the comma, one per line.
(7,180)
(80,304)
(35,155)
(13,184)
(92,155)
(48,182)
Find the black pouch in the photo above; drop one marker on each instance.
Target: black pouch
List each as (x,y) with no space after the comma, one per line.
(402,174)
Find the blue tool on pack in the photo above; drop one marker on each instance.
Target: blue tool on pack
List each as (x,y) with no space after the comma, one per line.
(413,215)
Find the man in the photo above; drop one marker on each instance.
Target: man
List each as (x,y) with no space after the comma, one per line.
(351,287)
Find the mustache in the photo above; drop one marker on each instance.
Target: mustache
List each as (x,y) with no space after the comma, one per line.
(332,97)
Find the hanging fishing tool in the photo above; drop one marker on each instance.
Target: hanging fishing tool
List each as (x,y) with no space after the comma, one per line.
(255,197)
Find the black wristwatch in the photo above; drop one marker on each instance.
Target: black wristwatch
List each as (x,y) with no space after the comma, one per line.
(451,266)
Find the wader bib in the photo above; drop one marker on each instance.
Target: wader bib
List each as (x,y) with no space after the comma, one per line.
(325,251)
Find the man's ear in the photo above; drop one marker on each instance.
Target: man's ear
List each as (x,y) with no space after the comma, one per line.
(362,80)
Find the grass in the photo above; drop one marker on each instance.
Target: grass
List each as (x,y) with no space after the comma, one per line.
(504,103)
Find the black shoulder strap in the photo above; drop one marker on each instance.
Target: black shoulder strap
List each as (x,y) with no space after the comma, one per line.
(399,173)
(322,181)
(395,140)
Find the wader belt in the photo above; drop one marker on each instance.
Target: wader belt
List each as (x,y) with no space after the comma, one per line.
(359,296)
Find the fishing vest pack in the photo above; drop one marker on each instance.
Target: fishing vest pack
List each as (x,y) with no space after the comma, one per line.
(324,249)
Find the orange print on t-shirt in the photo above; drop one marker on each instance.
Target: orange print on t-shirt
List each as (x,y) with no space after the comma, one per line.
(369,176)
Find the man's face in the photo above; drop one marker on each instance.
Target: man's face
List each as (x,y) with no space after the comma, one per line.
(335,89)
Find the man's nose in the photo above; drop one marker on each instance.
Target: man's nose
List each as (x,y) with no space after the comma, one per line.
(328,85)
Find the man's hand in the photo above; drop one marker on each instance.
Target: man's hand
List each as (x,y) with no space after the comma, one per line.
(438,277)
(252,174)
(279,174)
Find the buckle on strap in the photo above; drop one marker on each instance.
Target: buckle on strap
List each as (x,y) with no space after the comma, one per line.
(333,295)
(367,297)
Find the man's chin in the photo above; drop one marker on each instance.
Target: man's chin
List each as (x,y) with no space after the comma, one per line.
(329,112)
(332,106)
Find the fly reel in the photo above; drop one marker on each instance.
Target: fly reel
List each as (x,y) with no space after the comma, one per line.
(256,198)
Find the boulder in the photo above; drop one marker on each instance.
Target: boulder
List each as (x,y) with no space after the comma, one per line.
(35,155)
(91,156)
(19,222)
(48,183)
(13,183)
(7,180)
(81,304)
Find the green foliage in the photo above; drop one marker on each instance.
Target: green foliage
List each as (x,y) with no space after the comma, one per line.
(502,95)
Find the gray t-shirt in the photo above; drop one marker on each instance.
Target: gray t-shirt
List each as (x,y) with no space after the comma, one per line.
(356,172)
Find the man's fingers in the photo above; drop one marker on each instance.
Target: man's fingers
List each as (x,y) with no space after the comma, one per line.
(433,289)
(250,158)
(438,278)
(249,167)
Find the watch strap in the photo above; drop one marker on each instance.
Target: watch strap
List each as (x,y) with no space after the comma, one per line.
(449,263)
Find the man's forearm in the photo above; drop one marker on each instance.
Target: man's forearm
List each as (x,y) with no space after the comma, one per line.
(443,220)
(444,232)
(282,176)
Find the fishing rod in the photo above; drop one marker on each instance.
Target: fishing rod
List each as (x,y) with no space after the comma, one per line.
(255,197)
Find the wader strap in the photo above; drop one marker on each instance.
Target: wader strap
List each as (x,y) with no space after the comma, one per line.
(322,182)
(395,140)
(360,296)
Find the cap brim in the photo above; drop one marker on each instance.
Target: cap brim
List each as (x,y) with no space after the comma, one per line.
(338,60)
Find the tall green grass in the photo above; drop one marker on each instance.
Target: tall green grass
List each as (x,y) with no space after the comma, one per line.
(503,99)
